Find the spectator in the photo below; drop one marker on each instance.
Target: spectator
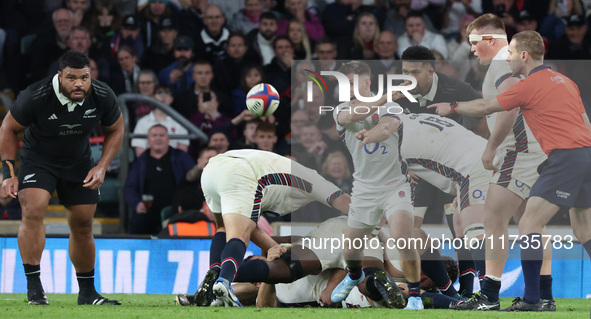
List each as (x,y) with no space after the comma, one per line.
(299,38)
(336,170)
(396,18)
(151,18)
(417,34)
(161,54)
(157,172)
(201,96)
(48,46)
(191,18)
(574,44)
(235,61)
(554,24)
(248,133)
(266,137)
(146,86)
(219,140)
(326,53)
(527,22)
(251,76)
(129,35)
(260,41)
(213,39)
(299,88)
(278,72)
(247,19)
(125,73)
(299,118)
(508,12)
(194,174)
(179,75)
(188,220)
(296,10)
(104,21)
(454,13)
(315,147)
(79,8)
(157,116)
(366,33)
(385,60)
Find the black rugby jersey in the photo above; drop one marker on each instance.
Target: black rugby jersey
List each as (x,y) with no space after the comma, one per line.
(53,133)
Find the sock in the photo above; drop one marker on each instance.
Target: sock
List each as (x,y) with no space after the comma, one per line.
(370,283)
(33,273)
(437,301)
(218,242)
(587,246)
(467,272)
(433,267)
(479,256)
(254,270)
(546,287)
(86,282)
(232,256)
(491,287)
(414,289)
(531,263)
(354,273)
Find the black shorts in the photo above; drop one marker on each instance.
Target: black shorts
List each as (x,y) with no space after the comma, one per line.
(426,195)
(66,178)
(565,178)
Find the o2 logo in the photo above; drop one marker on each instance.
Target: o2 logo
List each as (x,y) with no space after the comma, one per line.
(519,185)
(376,147)
(477,194)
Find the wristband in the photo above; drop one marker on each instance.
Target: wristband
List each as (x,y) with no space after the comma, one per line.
(8,169)
(453,106)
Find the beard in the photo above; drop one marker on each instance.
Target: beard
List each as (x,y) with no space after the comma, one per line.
(69,94)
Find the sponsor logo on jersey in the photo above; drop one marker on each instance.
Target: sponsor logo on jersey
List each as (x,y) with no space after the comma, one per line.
(69,129)
(52,117)
(401,194)
(88,114)
(28,179)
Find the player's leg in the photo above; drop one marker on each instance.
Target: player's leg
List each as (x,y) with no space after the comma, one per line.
(580,219)
(31,240)
(82,253)
(401,229)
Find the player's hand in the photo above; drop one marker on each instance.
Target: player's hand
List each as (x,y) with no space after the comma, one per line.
(414,179)
(488,159)
(95,178)
(141,208)
(10,187)
(275,252)
(325,298)
(360,135)
(443,109)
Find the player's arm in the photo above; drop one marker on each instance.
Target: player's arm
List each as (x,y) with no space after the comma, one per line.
(263,240)
(267,296)
(385,128)
(359,111)
(111,145)
(8,145)
(335,278)
(503,126)
(480,107)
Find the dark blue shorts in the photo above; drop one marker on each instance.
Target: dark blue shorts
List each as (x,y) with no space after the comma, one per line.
(565,178)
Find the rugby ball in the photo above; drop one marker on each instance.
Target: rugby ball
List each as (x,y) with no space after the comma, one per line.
(262,100)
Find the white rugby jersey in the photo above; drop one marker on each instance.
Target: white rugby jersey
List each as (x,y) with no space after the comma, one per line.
(439,150)
(284,185)
(378,166)
(521,139)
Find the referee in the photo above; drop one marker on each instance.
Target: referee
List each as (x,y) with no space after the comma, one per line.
(57,115)
(552,106)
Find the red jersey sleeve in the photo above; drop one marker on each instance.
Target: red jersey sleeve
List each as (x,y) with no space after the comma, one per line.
(516,96)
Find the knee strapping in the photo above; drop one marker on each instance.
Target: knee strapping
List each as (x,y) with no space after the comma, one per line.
(474,230)
(294,264)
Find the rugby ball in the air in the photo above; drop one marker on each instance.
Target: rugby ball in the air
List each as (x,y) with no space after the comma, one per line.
(262,99)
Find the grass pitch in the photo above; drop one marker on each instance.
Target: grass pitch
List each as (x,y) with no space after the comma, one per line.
(162,306)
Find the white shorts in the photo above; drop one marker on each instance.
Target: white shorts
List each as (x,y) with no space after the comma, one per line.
(366,208)
(519,172)
(474,192)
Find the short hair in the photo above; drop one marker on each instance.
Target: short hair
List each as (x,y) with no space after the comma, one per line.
(486,20)
(326,40)
(58,9)
(531,42)
(356,67)
(127,49)
(414,14)
(150,73)
(156,126)
(266,127)
(205,149)
(268,16)
(418,53)
(203,62)
(237,34)
(247,70)
(83,29)
(74,60)
(187,199)
(451,265)
(281,37)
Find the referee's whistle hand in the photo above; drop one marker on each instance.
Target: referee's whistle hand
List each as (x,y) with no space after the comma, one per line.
(94,179)
(442,109)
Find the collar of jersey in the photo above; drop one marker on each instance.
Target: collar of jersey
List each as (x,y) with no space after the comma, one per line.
(64,100)
(431,94)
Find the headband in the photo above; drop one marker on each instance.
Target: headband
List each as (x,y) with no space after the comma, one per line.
(480,37)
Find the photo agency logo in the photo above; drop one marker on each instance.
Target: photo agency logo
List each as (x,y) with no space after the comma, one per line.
(394,83)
